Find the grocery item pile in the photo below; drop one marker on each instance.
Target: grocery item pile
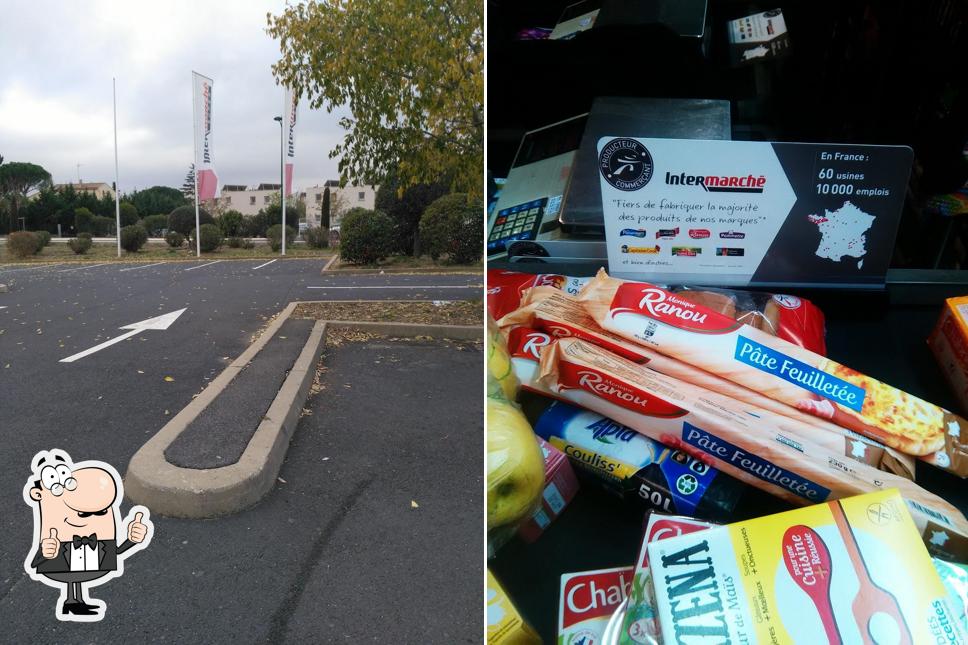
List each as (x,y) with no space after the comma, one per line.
(676,399)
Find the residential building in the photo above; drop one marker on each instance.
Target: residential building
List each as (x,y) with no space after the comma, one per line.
(248,201)
(98,189)
(340,200)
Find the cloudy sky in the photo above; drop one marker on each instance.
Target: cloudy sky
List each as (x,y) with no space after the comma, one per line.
(57,58)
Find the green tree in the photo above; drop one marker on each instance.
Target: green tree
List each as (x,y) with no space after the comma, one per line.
(182,219)
(414,83)
(366,237)
(44,210)
(294,212)
(129,214)
(406,207)
(454,227)
(157,199)
(17,179)
(188,187)
(324,215)
(154,224)
(83,220)
(231,223)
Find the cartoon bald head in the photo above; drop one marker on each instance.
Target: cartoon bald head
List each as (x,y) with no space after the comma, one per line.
(73,501)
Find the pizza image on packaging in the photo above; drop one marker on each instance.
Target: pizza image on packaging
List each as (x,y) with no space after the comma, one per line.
(889,414)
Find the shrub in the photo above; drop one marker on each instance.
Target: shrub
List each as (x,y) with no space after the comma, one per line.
(80,245)
(43,238)
(83,220)
(211,238)
(23,244)
(103,226)
(86,236)
(133,237)
(174,239)
(316,237)
(247,243)
(453,227)
(155,224)
(231,223)
(129,214)
(256,225)
(366,236)
(234,242)
(182,219)
(274,233)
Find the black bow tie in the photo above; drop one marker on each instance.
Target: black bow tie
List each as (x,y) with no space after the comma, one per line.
(90,541)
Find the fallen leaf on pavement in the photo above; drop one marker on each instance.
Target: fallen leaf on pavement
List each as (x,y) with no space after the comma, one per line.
(414,504)
(169,379)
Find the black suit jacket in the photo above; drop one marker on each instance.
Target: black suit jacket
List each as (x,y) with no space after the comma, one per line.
(107,552)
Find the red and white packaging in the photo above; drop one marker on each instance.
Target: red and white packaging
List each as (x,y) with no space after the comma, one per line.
(505,288)
(588,599)
(524,346)
(561,485)
(549,314)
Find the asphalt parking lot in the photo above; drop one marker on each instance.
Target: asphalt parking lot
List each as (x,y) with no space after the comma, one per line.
(196,576)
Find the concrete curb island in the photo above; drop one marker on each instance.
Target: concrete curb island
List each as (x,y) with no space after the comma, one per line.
(174,491)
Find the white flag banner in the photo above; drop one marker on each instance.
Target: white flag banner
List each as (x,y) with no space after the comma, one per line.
(291,103)
(205,176)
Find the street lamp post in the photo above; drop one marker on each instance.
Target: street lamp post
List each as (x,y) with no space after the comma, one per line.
(282,178)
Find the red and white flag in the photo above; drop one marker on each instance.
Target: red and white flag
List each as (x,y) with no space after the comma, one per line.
(290,105)
(205,178)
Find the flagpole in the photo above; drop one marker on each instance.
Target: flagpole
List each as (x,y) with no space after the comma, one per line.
(198,233)
(117,186)
(282,162)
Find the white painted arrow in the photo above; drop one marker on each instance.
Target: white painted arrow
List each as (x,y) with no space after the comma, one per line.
(158,323)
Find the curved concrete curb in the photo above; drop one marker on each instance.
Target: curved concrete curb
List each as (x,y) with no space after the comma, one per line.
(196,493)
(453,332)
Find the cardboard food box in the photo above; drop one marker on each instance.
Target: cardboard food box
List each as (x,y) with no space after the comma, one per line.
(561,485)
(640,624)
(949,342)
(505,626)
(588,600)
(848,571)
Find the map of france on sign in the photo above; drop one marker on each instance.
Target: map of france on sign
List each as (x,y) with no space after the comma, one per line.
(843,233)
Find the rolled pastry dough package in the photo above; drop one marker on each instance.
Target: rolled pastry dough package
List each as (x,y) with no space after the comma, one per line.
(505,288)
(751,444)
(711,341)
(559,315)
(793,319)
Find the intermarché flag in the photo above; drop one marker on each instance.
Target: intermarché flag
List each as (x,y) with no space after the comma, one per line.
(205,175)
(290,104)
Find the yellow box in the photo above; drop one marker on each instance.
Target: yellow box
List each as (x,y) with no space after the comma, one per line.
(505,626)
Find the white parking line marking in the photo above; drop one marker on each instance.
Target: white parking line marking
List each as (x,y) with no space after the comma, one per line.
(142,266)
(443,286)
(86,266)
(202,265)
(263,265)
(41,266)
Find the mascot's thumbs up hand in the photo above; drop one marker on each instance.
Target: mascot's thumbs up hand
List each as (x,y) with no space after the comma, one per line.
(50,546)
(137,529)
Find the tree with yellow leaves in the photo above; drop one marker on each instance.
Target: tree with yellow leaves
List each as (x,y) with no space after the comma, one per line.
(411,73)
